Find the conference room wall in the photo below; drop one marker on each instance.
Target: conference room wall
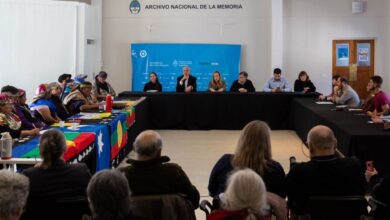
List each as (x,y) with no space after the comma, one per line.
(310,26)
(249,27)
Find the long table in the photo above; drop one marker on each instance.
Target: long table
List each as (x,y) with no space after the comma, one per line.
(204,111)
(355,135)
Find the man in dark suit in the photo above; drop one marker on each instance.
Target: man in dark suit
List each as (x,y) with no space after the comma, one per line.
(325,174)
(186,83)
(243,84)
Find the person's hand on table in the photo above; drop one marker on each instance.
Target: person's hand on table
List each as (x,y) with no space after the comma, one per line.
(306,89)
(322,97)
(377,119)
(274,90)
(242,90)
(188,89)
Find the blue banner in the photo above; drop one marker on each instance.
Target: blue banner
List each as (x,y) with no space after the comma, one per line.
(168,60)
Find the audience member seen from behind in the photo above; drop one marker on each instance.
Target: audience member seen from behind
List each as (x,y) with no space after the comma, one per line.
(186,82)
(277,83)
(47,104)
(151,174)
(381,101)
(217,84)
(303,83)
(334,87)
(10,122)
(81,99)
(102,88)
(53,178)
(244,198)
(243,84)
(109,196)
(28,119)
(253,151)
(14,189)
(344,94)
(154,84)
(325,174)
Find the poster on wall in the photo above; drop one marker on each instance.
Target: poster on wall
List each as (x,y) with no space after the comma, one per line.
(168,60)
(342,53)
(363,54)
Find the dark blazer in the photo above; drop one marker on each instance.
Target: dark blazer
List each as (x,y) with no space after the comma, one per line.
(274,176)
(59,181)
(300,85)
(191,82)
(324,176)
(157,177)
(153,86)
(248,85)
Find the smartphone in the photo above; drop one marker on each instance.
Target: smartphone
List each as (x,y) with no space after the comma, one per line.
(370,165)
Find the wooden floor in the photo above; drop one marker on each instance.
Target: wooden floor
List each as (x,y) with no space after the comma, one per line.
(197,152)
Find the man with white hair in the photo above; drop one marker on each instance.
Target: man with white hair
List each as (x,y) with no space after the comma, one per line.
(325,174)
(151,174)
(186,82)
(14,190)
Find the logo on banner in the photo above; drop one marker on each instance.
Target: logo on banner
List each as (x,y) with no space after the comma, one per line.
(143,53)
(135,7)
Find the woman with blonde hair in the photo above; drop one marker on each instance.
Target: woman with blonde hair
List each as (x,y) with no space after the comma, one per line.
(217,84)
(253,151)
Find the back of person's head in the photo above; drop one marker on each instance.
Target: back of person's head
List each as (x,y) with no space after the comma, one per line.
(321,137)
(277,71)
(377,80)
(244,74)
(253,147)
(148,144)
(14,189)
(245,191)
(343,80)
(12,90)
(52,147)
(109,195)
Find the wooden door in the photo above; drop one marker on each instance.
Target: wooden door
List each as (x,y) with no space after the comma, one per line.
(355,60)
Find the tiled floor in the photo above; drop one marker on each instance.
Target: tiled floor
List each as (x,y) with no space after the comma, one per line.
(197,151)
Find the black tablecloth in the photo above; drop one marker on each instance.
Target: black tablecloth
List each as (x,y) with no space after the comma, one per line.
(228,111)
(356,137)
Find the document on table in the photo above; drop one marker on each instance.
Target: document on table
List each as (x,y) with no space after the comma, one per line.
(324,103)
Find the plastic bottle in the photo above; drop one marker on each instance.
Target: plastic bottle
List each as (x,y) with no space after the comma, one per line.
(6,150)
(108,103)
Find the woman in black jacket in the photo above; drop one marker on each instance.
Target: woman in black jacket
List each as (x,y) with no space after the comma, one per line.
(303,83)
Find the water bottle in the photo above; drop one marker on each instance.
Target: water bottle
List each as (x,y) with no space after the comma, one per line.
(108,103)
(6,150)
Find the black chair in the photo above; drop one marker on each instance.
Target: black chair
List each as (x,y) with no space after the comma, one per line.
(63,208)
(337,207)
(163,207)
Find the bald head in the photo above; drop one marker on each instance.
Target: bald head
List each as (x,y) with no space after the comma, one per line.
(321,137)
(186,71)
(148,144)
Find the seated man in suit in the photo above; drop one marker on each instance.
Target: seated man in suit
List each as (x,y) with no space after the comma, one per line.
(186,83)
(325,174)
(277,83)
(151,174)
(243,84)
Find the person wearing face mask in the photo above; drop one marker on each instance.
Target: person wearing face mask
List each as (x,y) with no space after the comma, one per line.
(154,84)
(186,82)
(243,84)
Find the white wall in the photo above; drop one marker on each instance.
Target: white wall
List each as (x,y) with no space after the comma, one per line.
(311,25)
(37,42)
(250,27)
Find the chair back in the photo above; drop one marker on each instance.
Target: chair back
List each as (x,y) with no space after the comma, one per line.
(163,207)
(62,208)
(337,207)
